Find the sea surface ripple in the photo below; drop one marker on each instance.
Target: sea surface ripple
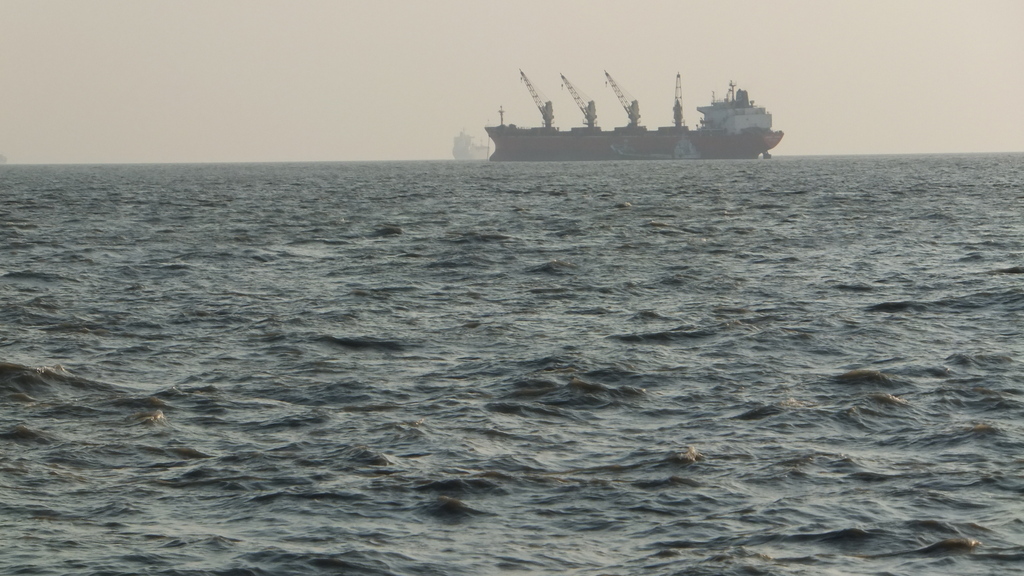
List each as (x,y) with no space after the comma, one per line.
(796,366)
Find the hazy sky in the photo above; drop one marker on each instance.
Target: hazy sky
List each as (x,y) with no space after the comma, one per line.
(254,80)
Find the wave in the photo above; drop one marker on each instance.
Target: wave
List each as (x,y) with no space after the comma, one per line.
(666,336)
(25,435)
(35,278)
(44,381)
(902,306)
(555,267)
(365,343)
(866,376)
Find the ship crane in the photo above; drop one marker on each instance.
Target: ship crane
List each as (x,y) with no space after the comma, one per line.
(589,109)
(677,109)
(546,111)
(632,106)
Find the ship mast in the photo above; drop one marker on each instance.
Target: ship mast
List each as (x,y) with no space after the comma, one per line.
(632,106)
(546,110)
(677,109)
(589,109)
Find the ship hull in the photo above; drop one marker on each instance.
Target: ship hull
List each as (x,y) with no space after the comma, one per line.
(742,146)
(549,144)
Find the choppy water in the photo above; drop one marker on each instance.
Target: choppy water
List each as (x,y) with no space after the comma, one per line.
(795,366)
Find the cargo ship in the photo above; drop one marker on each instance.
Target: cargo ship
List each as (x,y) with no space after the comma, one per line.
(733,128)
(466,148)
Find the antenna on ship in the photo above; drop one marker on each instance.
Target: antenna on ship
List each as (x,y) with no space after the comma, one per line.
(501,114)
(546,110)
(632,106)
(589,109)
(677,109)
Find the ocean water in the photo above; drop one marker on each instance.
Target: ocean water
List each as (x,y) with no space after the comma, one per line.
(795,366)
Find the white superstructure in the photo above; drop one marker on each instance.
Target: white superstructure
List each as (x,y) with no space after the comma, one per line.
(735,114)
(466,148)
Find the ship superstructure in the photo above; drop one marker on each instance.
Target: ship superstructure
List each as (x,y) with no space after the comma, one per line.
(731,128)
(466,148)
